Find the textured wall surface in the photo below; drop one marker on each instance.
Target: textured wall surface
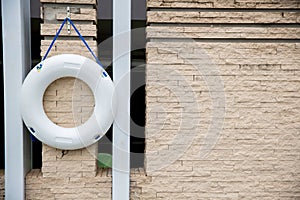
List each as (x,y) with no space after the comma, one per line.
(75,187)
(98,187)
(236,4)
(68,102)
(223,100)
(222,94)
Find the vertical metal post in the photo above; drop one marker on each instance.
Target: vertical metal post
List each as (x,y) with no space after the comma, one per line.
(16,64)
(121,76)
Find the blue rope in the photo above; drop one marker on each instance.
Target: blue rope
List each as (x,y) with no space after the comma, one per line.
(54,39)
(83,40)
(80,36)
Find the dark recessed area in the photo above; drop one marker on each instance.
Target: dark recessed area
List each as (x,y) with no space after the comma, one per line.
(2,107)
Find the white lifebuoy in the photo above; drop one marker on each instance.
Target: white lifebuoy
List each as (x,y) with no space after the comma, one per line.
(68,65)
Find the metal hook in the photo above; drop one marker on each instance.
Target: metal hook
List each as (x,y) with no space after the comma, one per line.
(63,153)
(68,23)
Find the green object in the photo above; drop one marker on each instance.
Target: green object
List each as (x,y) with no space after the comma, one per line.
(104,160)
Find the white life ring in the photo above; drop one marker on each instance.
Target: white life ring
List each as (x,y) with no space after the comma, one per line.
(68,65)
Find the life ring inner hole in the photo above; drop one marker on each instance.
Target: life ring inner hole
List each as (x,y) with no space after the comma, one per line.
(68,102)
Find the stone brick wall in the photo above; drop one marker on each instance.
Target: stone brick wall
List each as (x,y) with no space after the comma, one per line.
(98,187)
(82,12)
(68,102)
(232,4)
(222,96)
(75,187)
(222,100)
